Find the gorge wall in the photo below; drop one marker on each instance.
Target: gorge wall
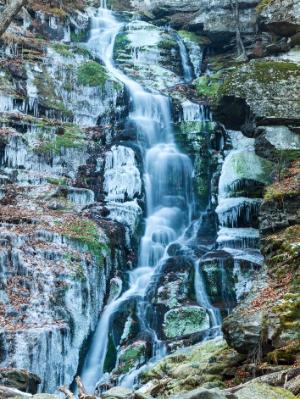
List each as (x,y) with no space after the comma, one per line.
(74,198)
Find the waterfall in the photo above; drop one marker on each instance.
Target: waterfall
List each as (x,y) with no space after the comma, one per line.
(168,185)
(185,60)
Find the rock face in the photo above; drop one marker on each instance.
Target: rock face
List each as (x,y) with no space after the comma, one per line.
(214,19)
(262,84)
(185,321)
(72,197)
(281,18)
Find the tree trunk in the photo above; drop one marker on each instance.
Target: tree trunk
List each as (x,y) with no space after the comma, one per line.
(239,41)
(10,11)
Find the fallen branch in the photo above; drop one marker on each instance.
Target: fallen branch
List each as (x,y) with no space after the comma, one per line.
(67,392)
(10,11)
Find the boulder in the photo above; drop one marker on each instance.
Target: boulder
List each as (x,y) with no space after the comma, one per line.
(273,142)
(130,357)
(263,391)
(243,331)
(260,86)
(243,170)
(281,17)
(22,380)
(12,393)
(202,393)
(118,393)
(185,320)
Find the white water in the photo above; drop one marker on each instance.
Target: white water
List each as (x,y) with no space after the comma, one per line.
(168,184)
(187,69)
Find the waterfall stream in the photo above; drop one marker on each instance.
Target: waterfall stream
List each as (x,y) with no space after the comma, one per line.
(169,194)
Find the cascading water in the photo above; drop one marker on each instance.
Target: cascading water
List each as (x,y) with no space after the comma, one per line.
(168,185)
(186,65)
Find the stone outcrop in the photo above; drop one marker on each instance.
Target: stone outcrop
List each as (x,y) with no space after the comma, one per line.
(215,19)
(20,379)
(282,18)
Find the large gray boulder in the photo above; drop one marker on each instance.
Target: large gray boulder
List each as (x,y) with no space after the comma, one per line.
(213,18)
(22,380)
(202,393)
(281,17)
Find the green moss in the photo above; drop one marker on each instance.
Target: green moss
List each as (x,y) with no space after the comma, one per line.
(130,357)
(63,50)
(111,355)
(73,137)
(121,44)
(263,4)
(208,86)
(184,321)
(85,231)
(167,44)
(80,50)
(193,37)
(265,72)
(263,391)
(79,36)
(57,181)
(289,313)
(48,97)
(91,74)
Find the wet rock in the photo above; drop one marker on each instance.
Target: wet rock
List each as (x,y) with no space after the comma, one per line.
(44,396)
(115,289)
(20,379)
(280,17)
(242,172)
(214,20)
(185,320)
(202,365)
(262,391)
(243,332)
(131,356)
(273,140)
(275,217)
(202,393)
(118,393)
(149,42)
(294,385)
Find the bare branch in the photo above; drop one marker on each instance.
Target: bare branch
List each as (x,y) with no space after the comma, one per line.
(67,392)
(11,10)
(81,390)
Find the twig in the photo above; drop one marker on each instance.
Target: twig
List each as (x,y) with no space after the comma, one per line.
(81,390)
(67,392)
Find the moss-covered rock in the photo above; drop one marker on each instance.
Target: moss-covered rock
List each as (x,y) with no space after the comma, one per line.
(263,391)
(206,364)
(130,357)
(22,380)
(185,320)
(196,139)
(242,168)
(269,87)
